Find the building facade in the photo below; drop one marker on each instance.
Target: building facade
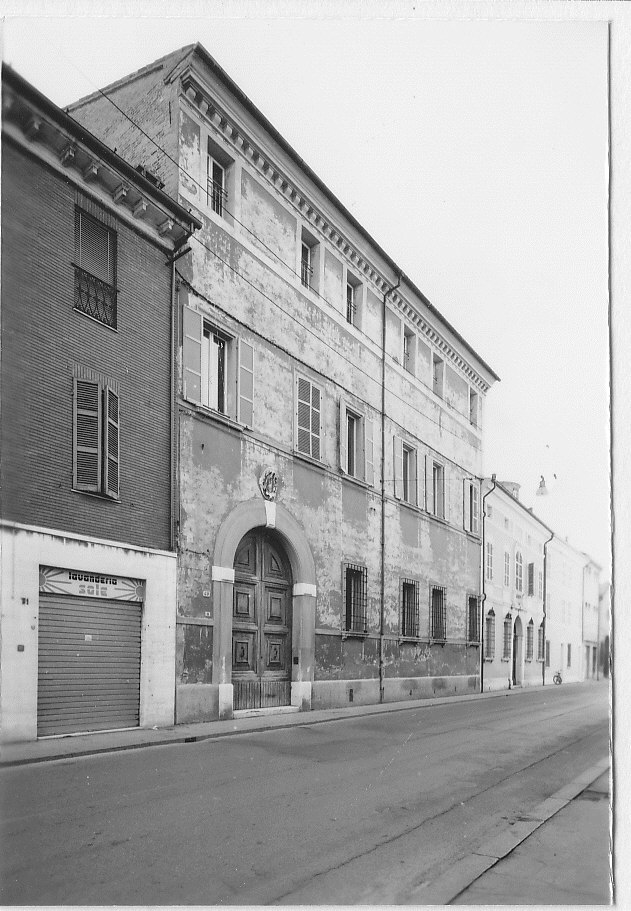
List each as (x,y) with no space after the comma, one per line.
(329,424)
(591,617)
(88,575)
(564,609)
(514,565)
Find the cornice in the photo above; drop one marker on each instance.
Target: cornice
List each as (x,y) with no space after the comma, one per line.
(68,152)
(244,146)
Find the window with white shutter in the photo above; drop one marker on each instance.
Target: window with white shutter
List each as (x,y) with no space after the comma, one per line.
(308,423)
(96,438)
(471,507)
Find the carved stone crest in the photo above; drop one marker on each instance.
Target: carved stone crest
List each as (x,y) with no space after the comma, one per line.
(268,484)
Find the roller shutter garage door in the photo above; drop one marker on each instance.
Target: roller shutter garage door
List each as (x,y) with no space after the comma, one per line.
(88,665)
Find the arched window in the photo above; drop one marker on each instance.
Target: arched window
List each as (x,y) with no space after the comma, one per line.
(489,635)
(530,640)
(508,635)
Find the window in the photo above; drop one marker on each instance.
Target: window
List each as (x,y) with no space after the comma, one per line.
(473,633)
(540,643)
(540,585)
(306,269)
(409,608)
(96,438)
(531,578)
(309,260)
(471,507)
(216,194)
(508,635)
(438,373)
(351,306)
(218,370)
(356,445)
(489,560)
(473,407)
(405,472)
(530,640)
(355,598)
(438,613)
(409,350)
(506,569)
(489,635)
(95,269)
(519,571)
(308,417)
(569,655)
(547,653)
(438,490)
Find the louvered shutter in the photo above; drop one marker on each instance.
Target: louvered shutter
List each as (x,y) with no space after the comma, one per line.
(446,494)
(96,249)
(369,452)
(531,578)
(343,453)
(429,485)
(420,480)
(192,329)
(315,422)
(303,416)
(475,503)
(397,459)
(246,383)
(87,436)
(112,443)
(466,507)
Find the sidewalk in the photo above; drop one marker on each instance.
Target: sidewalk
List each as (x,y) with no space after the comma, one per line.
(71,746)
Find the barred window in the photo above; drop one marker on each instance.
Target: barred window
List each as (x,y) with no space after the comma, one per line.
(95,269)
(438,613)
(540,643)
(473,633)
(409,608)
(356,598)
(489,635)
(508,635)
(530,640)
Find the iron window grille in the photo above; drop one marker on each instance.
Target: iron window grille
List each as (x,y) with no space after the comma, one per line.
(530,640)
(438,613)
(356,598)
(540,643)
(216,195)
(409,608)
(95,269)
(508,635)
(473,605)
(489,635)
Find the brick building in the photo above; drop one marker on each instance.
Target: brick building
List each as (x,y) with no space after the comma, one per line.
(88,566)
(330,424)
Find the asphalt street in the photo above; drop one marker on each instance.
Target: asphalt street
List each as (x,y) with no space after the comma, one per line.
(369,809)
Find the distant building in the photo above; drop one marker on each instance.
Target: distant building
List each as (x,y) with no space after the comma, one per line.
(565,609)
(604,629)
(88,572)
(329,424)
(515,543)
(591,618)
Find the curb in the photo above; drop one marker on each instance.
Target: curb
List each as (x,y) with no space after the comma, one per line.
(464,872)
(251,725)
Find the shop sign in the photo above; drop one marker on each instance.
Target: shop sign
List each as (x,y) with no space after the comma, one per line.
(89,585)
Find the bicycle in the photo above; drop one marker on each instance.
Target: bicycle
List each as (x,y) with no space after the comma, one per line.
(558,679)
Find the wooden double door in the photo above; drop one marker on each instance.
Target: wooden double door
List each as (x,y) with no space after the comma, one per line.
(261,623)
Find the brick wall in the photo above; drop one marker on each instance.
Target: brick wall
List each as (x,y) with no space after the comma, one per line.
(45,339)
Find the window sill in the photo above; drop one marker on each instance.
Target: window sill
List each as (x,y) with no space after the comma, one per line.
(505,659)
(317,463)
(359,482)
(96,496)
(203,411)
(353,634)
(93,319)
(411,640)
(486,658)
(441,642)
(472,644)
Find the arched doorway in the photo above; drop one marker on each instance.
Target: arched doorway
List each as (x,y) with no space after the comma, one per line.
(261,622)
(517,656)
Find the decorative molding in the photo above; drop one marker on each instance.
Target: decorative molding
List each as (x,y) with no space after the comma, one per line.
(33,127)
(120,193)
(268,483)
(222,574)
(91,170)
(67,154)
(304,588)
(270,514)
(233,135)
(165,227)
(140,209)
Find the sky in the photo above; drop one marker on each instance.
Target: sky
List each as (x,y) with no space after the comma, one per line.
(474,151)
